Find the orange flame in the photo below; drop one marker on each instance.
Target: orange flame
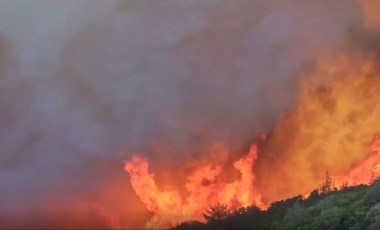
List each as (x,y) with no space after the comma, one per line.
(204,188)
(330,129)
(367,170)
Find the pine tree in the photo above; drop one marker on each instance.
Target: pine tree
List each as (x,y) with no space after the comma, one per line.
(328,185)
(344,185)
(217,211)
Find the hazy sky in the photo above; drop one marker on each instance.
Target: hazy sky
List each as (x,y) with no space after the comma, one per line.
(86,84)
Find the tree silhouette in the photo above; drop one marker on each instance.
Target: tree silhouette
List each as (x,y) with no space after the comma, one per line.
(356,207)
(375,177)
(344,185)
(216,212)
(328,185)
(189,225)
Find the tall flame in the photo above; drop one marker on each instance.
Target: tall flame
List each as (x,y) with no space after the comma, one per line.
(203,185)
(367,170)
(332,128)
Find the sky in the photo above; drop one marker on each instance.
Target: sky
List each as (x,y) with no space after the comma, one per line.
(86,84)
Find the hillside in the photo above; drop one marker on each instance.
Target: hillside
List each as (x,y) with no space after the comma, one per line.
(351,208)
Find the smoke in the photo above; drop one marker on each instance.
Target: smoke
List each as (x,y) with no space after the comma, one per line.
(84,84)
(372,18)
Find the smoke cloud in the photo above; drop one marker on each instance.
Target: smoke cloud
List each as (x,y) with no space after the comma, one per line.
(86,84)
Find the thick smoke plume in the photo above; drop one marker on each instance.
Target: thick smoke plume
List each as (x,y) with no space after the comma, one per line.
(85,84)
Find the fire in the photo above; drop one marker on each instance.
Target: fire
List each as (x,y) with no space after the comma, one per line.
(331,128)
(204,188)
(367,170)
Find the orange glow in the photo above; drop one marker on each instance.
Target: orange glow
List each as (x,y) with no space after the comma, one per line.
(367,170)
(332,127)
(370,9)
(204,187)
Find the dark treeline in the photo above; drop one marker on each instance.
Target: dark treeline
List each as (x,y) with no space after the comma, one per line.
(356,207)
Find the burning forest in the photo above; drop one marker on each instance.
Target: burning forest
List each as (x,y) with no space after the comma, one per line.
(331,115)
(128,114)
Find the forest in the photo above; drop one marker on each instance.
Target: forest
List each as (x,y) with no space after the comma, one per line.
(327,207)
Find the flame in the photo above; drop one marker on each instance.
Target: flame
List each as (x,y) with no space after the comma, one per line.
(367,170)
(204,187)
(332,128)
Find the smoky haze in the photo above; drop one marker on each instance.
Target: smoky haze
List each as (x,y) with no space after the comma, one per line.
(86,84)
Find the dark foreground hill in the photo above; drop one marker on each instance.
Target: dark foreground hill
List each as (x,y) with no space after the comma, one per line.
(351,208)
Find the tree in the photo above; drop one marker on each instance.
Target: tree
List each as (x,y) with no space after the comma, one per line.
(190,225)
(328,185)
(344,185)
(295,218)
(372,218)
(216,212)
(313,198)
(372,195)
(375,177)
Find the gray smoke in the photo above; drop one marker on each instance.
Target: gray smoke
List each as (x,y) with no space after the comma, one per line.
(85,84)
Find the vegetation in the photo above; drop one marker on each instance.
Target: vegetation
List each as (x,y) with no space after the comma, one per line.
(216,212)
(350,208)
